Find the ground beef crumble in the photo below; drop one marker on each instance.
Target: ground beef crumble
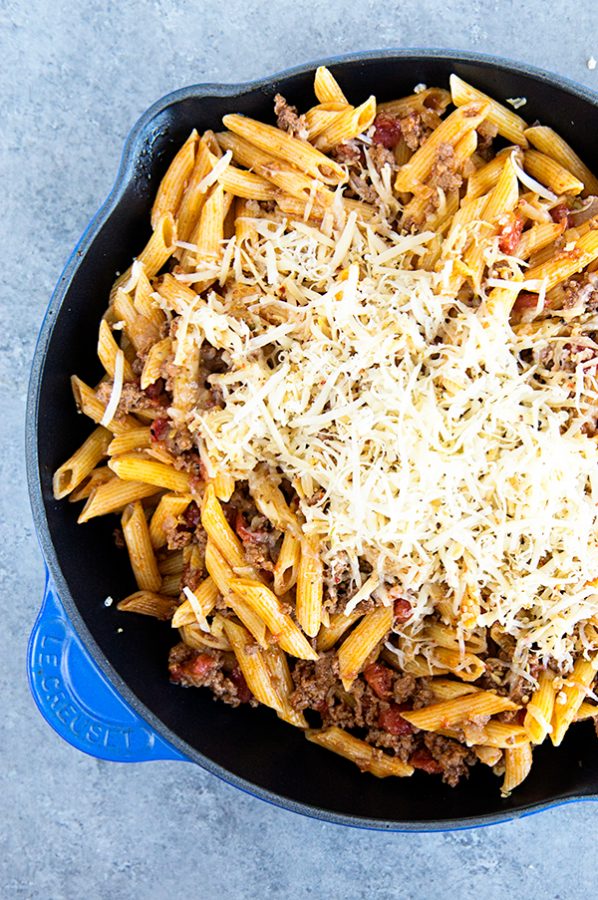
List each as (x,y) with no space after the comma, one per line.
(487,131)
(381,156)
(288,118)
(261,542)
(132,398)
(413,130)
(444,172)
(348,153)
(213,669)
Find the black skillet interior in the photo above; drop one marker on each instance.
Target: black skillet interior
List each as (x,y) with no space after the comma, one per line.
(252,747)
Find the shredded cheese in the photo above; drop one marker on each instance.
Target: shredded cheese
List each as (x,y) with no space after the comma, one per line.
(117,386)
(414,432)
(214,174)
(516,102)
(531,183)
(196,607)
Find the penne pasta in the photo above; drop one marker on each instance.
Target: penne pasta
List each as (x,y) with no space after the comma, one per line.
(265,603)
(288,148)
(98,476)
(539,711)
(326,87)
(136,467)
(139,546)
(282,682)
(172,186)
(309,586)
(451,131)
(160,246)
(459,709)
(81,464)
(347,125)
(196,609)
(363,755)
(154,362)
(552,144)
(568,701)
(537,237)
(337,626)
(172,563)
(107,350)
(435,99)
(550,173)
(89,404)
(147,603)
(222,575)
(509,124)
(518,762)
(168,510)
(134,439)
(253,665)
(195,637)
(467,666)
(219,531)
(113,496)
(556,270)
(448,690)
(194,194)
(355,649)
(287,564)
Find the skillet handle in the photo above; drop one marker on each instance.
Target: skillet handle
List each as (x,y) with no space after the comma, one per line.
(77,700)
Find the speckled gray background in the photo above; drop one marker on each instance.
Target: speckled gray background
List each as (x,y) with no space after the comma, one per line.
(73,78)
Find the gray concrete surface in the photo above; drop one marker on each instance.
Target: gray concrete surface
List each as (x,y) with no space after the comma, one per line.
(73,78)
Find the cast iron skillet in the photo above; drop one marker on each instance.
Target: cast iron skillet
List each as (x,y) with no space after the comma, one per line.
(252,748)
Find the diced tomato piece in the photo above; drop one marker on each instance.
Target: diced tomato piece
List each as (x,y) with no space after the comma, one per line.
(201,665)
(423,759)
(154,390)
(192,515)
(238,679)
(159,429)
(525,300)
(387,131)
(402,610)
(241,528)
(392,721)
(246,534)
(560,214)
(198,667)
(511,226)
(379,678)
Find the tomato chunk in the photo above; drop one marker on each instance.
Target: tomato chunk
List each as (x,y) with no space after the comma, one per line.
(423,759)
(560,213)
(238,679)
(198,667)
(402,610)
(392,721)
(387,131)
(192,515)
(525,300)
(511,227)
(379,678)
(159,429)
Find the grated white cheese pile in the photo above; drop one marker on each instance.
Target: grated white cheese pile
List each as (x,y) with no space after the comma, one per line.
(411,429)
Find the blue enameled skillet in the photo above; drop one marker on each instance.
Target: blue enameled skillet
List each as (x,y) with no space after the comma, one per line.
(99,677)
